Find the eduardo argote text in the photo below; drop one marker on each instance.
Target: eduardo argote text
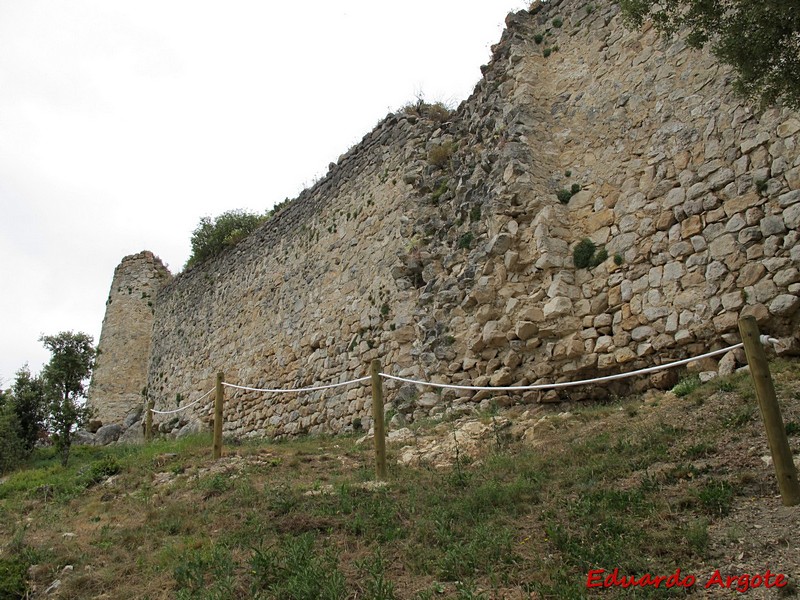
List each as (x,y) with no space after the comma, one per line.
(600,578)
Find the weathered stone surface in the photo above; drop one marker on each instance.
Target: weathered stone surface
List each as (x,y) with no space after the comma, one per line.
(193,427)
(133,416)
(751,274)
(727,364)
(788,127)
(525,330)
(83,438)
(557,307)
(791,216)
(784,305)
(493,334)
(132,435)
(503,377)
(107,434)
(772,226)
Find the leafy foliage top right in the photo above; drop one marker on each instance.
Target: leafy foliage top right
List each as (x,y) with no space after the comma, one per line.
(760,40)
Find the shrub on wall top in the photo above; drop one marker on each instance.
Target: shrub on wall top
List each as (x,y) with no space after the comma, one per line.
(212,236)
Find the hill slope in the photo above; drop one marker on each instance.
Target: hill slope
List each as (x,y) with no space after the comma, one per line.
(516,504)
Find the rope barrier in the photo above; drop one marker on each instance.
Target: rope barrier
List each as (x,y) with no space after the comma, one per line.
(305,389)
(765,339)
(182,408)
(550,386)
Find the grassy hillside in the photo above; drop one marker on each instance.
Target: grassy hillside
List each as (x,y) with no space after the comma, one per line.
(645,485)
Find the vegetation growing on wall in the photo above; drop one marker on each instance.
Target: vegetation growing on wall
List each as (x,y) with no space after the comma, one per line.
(760,40)
(212,236)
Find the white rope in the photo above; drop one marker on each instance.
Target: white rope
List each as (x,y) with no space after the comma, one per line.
(765,339)
(177,410)
(550,386)
(305,389)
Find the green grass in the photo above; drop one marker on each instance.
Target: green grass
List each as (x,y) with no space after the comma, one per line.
(296,568)
(686,386)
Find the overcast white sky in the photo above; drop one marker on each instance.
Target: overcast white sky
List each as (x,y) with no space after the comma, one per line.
(122,123)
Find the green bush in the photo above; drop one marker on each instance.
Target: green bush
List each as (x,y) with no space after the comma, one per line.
(563,195)
(546,52)
(583,253)
(576,187)
(475,214)
(618,260)
(465,241)
(599,257)
(102,469)
(212,236)
(586,255)
(557,22)
(13,576)
(538,38)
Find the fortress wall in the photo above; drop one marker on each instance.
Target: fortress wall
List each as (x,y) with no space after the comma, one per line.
(463,271)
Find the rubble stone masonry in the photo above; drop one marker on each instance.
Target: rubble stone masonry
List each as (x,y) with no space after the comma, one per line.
(445,245)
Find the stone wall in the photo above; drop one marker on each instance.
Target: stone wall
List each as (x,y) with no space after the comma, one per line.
(439,244)
(120,373)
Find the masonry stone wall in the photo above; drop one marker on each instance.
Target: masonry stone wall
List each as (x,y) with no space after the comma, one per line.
(439,243)
(120,373)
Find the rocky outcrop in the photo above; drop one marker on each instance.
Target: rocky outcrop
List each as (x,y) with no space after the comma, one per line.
(602,202)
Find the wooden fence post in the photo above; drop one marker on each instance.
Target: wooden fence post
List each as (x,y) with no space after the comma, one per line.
(377,417)
(782,459)
(218,399)
(148,421)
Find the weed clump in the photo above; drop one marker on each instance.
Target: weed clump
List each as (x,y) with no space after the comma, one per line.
(475,214)
(465,241)
(686,386)
(563,195)
(583,252)
(440,155)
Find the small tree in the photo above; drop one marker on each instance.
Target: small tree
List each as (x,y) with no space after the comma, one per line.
(64,379)
(29,404)
(12,447)
(760,39)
